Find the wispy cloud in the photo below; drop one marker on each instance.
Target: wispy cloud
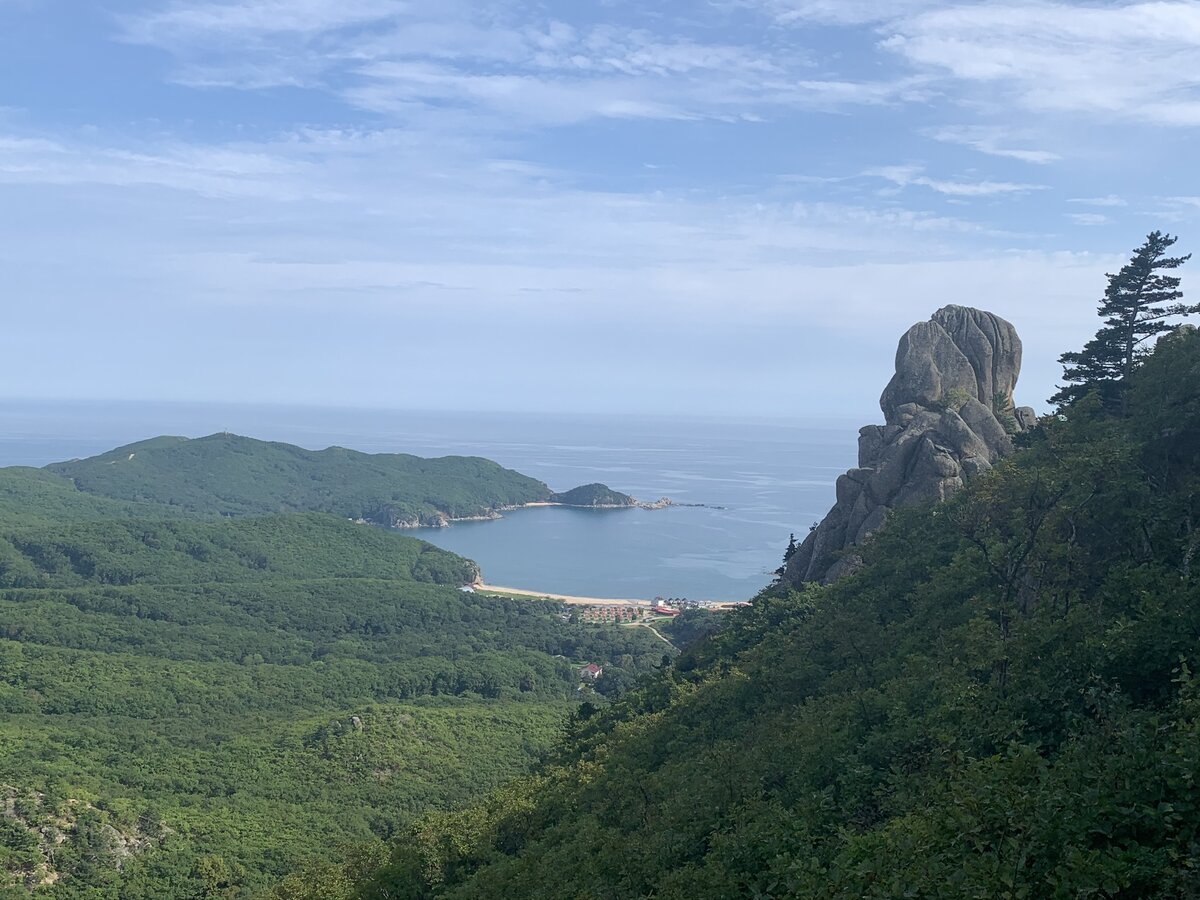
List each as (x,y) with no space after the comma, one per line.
(417,57)
(458,205)
(613,167)
(1110,200)
(1178,209)
(841,12)
(184,23)
(1089,218)
(214,171)
(904,176)
(400,87)
(991,140)
(1134,61)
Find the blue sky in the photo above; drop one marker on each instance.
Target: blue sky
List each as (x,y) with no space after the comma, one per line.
(733,206)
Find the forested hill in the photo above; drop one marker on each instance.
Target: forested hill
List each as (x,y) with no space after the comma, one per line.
(599,496)
(209,676)
(192,709)
(1002,702)
(182,552)
(36,495)
(230,475)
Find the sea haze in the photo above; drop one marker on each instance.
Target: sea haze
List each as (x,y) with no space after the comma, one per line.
(758,481)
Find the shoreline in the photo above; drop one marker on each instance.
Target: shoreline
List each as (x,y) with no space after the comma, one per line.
(492,515)
(576,600)
(639,504)
(481,587)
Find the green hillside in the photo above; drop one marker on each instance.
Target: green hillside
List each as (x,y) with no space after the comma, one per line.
(1001,703)
(230,475)
(30,496)
(195,708)
(183,552)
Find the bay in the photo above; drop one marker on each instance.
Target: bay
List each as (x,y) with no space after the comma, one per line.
(756,481)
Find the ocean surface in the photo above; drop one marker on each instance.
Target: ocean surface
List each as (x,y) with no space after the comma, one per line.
(759,481)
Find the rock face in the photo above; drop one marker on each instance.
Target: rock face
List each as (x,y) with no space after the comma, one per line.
(949,416)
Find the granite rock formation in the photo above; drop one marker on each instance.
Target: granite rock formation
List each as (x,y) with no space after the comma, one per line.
(949,416)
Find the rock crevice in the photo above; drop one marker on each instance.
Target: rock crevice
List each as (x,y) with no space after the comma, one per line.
(949,416)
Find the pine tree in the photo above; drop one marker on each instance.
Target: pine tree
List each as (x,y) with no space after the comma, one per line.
(792,547)
(1137,303)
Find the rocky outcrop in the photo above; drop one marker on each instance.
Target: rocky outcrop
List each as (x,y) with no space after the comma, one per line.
(949,415)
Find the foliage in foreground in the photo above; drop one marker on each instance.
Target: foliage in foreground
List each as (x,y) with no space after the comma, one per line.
(1002,703)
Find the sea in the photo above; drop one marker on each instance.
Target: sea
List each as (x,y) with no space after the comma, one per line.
(748,483)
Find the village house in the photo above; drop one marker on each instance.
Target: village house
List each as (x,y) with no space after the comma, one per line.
(609,612)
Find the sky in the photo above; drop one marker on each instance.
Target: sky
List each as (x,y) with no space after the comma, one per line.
(721,207)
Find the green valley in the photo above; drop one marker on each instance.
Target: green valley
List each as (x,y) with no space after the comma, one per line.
(195,708)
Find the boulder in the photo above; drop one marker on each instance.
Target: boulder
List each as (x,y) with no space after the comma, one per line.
(959,352)
(949,417)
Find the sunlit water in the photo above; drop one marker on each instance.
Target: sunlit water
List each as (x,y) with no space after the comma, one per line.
(767,478)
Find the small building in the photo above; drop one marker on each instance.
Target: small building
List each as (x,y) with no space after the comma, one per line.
(590,672)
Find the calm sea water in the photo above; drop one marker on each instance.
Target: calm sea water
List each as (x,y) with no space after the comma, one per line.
(769,478)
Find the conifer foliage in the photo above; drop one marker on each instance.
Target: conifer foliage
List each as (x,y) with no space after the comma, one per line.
(792,547)
(1139,300)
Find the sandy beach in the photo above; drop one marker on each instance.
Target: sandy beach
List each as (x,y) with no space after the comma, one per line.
(565,598)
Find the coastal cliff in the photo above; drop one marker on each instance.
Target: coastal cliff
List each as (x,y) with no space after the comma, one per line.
(949,415)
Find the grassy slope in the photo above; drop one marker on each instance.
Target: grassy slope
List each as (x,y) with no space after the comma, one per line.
(229,475)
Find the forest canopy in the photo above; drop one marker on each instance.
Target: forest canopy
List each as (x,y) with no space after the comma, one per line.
(195,708)
(1001,702)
